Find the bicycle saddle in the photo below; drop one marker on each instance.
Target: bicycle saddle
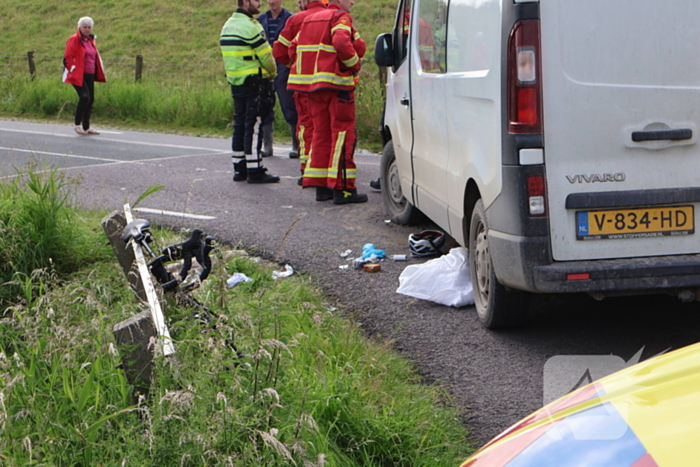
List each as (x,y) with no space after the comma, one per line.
(135,229)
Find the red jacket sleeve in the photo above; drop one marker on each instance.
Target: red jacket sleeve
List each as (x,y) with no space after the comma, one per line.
(70,55)
(280,48)
(342,36)
(360,45)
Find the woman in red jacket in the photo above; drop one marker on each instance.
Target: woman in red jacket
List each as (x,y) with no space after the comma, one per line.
(83,66)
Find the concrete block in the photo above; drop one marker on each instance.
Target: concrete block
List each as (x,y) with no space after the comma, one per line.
(113,225)
(136,338)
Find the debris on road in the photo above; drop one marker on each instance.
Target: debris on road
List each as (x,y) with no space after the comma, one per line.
(236,279)
(288,271)
(369,251)
(445,280)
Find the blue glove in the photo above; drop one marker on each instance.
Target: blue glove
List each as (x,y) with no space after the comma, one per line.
(370,250)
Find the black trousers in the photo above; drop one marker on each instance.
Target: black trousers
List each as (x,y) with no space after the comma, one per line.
(245,114)
(86,97)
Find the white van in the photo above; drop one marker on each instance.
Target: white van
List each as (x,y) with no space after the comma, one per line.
(555,139)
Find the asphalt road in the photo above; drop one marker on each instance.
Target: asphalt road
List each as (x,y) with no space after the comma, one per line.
(495,378)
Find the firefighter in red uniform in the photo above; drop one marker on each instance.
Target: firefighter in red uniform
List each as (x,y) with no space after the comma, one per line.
(326,53)
(280,50)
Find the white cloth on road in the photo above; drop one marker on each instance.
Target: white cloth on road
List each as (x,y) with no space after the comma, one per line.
(445,280)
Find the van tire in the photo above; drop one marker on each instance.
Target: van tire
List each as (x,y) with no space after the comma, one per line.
(400,210)
(497,306)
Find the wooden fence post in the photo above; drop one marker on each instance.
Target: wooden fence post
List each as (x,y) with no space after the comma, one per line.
(32,65)
(138,68)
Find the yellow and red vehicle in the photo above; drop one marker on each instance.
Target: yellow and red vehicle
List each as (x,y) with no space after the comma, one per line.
(643,416)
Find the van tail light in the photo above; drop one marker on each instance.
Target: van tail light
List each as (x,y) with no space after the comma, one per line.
(536,192)
(525,78)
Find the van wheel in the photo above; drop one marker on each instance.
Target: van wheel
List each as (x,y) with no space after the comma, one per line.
(496,306)
(400,210)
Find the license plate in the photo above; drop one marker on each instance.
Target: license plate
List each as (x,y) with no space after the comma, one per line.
(635,223)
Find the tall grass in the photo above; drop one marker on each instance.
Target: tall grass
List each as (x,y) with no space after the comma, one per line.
(308,390)
(183,85)
(205,106)
(41,232)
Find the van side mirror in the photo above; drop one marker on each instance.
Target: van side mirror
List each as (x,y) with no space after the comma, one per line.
(384,50)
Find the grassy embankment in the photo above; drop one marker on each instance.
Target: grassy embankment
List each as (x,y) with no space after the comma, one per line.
(183,87)
(310,391)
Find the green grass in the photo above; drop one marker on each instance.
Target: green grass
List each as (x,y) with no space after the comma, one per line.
(41,232)
(183,85)
(309,391)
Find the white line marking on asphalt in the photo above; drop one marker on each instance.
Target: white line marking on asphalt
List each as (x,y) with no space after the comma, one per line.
(60,154)
(175,214)
(108,161)
(143,143)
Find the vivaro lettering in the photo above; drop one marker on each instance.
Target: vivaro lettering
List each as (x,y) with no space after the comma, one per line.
(526,106)
(593,178)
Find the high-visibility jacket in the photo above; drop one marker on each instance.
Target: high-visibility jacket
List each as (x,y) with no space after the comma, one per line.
(324,53)
(245,49)
(280,49)
(74,61)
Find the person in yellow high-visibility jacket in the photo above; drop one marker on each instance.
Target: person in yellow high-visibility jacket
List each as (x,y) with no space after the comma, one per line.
(250,67)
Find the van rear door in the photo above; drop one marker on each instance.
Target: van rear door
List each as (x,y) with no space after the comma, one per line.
(621,100)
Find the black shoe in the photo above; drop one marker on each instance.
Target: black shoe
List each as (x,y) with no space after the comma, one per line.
(348,196)
(265,154)
(300,181)
(294,155)
(323,193)
(240,171)
(376,184)
(259,176)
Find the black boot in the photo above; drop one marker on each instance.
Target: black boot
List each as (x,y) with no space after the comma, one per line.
(300,182)
(240,171)
(259,176)
(348,196)
(376,184)
(267,132)
(323,193)
(294,153)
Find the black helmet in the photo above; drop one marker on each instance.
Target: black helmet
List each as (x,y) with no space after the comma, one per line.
(426,243)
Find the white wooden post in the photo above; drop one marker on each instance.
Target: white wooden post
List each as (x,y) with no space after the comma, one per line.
(153,302)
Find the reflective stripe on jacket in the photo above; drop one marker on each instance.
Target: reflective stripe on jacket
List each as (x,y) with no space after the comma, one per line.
(280,49)
(245,49)
(324,53)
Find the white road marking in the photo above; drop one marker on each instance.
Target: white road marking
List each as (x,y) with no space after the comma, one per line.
(59,154)
(175,214)
(143,143)
(107,161)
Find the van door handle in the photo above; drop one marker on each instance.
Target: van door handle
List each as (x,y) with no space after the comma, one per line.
(404,101)
(661,135)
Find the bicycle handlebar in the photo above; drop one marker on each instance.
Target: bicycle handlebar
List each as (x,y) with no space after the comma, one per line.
(195,246)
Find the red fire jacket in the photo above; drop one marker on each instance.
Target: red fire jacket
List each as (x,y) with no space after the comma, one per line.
(74,56)
(280,49)
(324,53)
